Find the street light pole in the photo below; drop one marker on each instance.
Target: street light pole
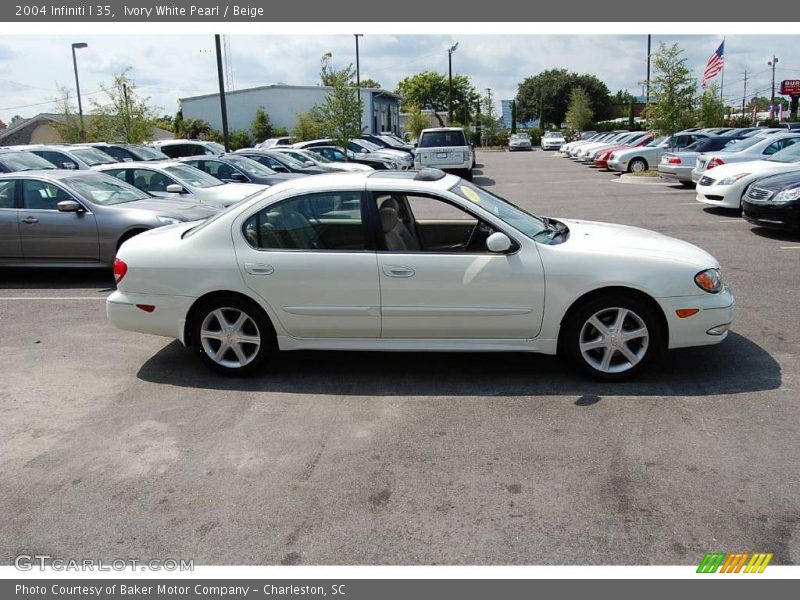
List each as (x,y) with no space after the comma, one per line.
(772,64)
(450,51)
(77,46)
(222,104)
(358,66)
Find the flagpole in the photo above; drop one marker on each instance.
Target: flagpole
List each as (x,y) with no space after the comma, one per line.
(722,74)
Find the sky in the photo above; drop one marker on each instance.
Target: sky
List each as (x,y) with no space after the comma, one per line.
(166,68)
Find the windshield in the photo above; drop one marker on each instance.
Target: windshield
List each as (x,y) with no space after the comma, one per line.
(657,141)
(518,218)
(193,177)
(214,146)
(145,153)
(787,155)
(742,144)
(392,141)
(251,167)
(92,156)
(103,189)
(520,136)
(434,139)
(288,160)
(23,161)
(370,145)
(553,134)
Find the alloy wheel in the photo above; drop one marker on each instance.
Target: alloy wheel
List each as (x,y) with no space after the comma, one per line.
(230,337)
(614,340)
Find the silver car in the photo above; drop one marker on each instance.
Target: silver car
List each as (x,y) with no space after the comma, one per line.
(69,157)
(13,161)
(677,166)
(637,160)
(175,179)
(757,147)
(519,141)
(60,218)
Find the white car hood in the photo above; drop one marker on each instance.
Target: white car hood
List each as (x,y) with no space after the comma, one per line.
(231,192)
(611,238)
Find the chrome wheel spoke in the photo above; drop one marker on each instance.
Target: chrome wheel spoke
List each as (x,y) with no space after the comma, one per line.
(593,345)
(608,354)
(239,352)
(599,325)
(628,354)
(211,335)
(230,337)
(613,340)
(639,332)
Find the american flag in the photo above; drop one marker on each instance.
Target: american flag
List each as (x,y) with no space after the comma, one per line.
(715,64)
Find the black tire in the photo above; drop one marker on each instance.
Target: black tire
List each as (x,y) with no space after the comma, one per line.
(128,235)
(637,161)
(687,184)
(259,326)
(468,174)
(640,312)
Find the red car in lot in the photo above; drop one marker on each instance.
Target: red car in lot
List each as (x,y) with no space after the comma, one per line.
(601,160)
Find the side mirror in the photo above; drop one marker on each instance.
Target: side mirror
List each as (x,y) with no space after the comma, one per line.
(69,206)
(498,242)
(174,188)
(69,165)
(309,163)
(238,177)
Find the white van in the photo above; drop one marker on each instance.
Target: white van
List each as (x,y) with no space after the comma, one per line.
(445,148)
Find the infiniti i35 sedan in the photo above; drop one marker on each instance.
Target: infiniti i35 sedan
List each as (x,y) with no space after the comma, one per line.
(60,218)
(417,261)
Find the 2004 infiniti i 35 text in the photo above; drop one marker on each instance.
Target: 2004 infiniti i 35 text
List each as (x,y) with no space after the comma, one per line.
(415,261)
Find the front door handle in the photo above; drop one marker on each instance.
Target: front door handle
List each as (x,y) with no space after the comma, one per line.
(29,220)
(398,271)
(259,269)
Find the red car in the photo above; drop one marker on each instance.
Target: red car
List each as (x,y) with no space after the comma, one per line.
(601,160)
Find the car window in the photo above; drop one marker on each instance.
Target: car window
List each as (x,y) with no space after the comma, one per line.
(7,194)
(743,144)
(435,139)
(40,195)
(23,161)
(323,221)
(789,154)
(192,176)
(93,156)
(251,167)
(151,181)
(118,153)
(146,153)
(57,158)
(102,189)
(173,150)
(265,160)
(118,173)
(290,160)
(779,145)
(216,168)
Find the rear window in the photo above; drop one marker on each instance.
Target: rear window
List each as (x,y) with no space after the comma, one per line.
(437,139)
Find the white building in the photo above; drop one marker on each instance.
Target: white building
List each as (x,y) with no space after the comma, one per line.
(284,102)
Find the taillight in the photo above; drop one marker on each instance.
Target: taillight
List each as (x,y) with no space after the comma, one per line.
(674,160)
(120,268)
(715,162)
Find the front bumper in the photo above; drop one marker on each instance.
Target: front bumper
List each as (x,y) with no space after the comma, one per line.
(618,165)
(719,195)
(775,216)
(716,312)
(167,319)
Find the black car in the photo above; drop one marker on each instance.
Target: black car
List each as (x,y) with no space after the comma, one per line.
(384,143)
(774,202)
(232,167)
(130,152)
(279,162)
(334,154)
(13,161)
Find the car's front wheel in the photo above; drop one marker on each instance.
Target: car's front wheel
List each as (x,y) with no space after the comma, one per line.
(637,165)
(232,336)
(614,337)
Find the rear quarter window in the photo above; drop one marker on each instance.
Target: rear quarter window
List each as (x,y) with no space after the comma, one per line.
(437,139)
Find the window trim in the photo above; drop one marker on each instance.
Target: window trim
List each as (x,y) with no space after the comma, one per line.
(369,245)
(21,197)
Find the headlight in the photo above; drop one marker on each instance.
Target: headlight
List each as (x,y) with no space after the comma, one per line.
(709,280)
(168,220)
(787,196)
(732,179)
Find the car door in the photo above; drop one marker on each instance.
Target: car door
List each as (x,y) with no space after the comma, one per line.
(307,256)
(49,234)
(436,283)
(10,246)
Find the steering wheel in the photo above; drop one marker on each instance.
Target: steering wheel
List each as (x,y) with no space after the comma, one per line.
(474,239)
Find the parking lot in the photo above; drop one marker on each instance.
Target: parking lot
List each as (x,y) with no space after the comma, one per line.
(116,444)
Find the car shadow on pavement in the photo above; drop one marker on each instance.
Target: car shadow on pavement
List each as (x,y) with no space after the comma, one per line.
(781,235)
(480,179)
(736,366)
(44,278)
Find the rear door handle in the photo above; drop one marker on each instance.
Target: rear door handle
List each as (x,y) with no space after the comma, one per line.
(30,220)
(398,271)
(259,269)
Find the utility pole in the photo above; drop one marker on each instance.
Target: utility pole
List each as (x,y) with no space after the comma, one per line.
(647,93)
(358,83)
(222,104)
(744,93)
(772,64)
(78,46)
(450,51)
(127,113)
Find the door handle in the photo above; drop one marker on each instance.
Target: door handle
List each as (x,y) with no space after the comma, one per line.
(398,271)
(259,269)
(29,220)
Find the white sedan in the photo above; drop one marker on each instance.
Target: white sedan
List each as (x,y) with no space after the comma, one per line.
(416,261)
(726,185)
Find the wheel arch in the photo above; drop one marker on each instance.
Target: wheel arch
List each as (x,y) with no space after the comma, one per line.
(129,233)
(641,158)
(611,290)
(190,314)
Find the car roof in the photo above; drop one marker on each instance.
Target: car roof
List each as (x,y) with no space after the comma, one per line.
(54,174)
(171,142)
(139,164)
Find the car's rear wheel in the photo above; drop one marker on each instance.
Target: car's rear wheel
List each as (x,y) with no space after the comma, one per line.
(637,165)
(614,337)
(232,336)
(468,174)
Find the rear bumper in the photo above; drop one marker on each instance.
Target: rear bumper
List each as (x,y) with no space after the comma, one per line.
(675,173)
(167,319)
(716,311)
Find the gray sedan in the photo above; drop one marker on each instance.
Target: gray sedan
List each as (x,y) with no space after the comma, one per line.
(60,218)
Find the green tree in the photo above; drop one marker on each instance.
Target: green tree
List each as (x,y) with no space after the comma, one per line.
(416,120)
(69,127)
(547,95)
(579,112)
(122,114)
(429,91)
(368,82)
(308,125)
(326,69)
(711,111)
(240,138)
(194,129)
(261,126)
(761,103)
(672,88)
(341,112)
